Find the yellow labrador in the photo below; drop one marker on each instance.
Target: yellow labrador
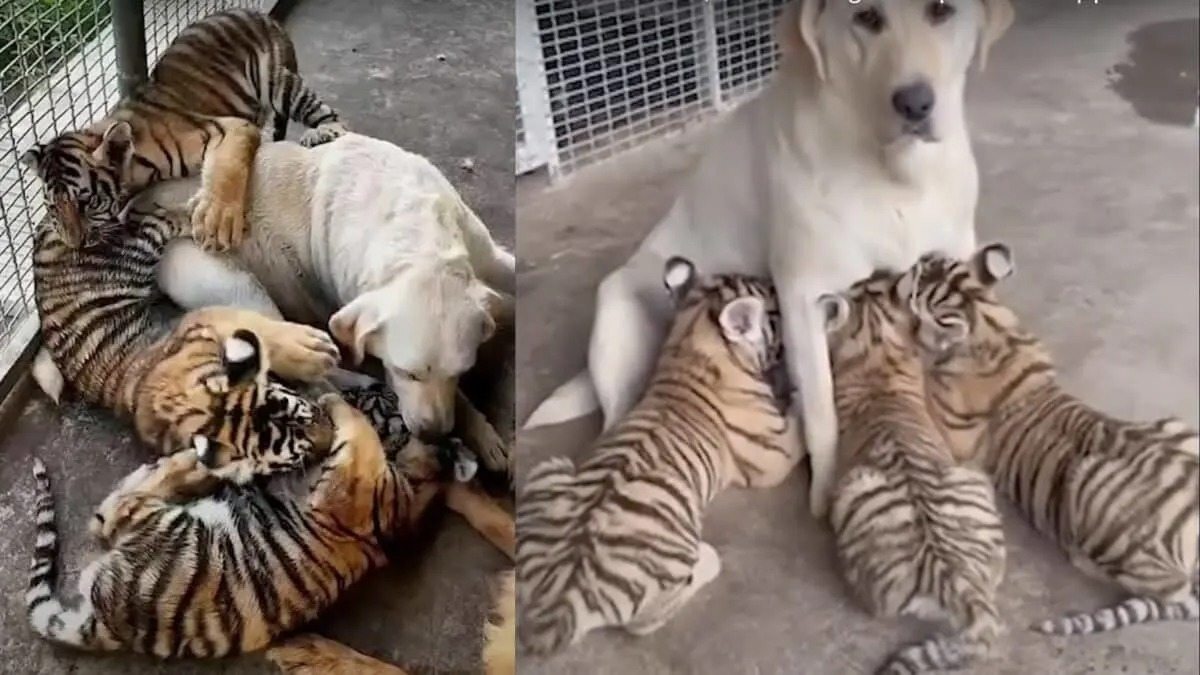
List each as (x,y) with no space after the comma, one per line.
(854,158)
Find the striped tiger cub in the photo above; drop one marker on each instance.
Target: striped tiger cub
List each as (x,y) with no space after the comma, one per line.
(616,540)
(1122,498)
(916,533)
(122,345)
(198,567)
(217,83)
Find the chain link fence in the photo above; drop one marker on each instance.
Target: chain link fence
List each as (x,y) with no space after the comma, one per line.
(58,71)
(596,77)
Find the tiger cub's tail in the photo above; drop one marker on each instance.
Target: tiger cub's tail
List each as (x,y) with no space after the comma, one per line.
(1129,612)
(980,628)
(50,618)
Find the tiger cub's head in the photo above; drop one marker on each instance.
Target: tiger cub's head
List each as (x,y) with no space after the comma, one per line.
(734,319)
(229,398)
(958,296)
(83,176)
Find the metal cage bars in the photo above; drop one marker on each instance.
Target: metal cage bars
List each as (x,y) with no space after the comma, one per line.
(597,77)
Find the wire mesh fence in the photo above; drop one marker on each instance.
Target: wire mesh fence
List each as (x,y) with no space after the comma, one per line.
(618,73)
(58,72)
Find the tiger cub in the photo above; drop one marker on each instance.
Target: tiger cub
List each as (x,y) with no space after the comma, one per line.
(616,540)
(1122,498)
(916,533)
(122,345)
(222,78)
(198,567)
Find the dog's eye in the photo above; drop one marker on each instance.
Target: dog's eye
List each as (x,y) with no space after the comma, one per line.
(870,19)
(939,11)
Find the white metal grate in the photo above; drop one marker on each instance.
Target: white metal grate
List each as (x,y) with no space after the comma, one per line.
(58,72)
(621,72)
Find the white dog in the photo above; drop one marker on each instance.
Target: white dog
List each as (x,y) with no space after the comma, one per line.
(854,158)
(373,241)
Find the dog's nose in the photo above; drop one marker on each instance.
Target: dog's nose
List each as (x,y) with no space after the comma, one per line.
(914,102)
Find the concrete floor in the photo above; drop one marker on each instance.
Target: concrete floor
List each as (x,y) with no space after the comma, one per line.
(1096,188)
(376,61)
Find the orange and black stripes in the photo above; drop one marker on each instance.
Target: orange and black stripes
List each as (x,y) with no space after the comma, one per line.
(236,66)
(230,569)
(122,345)
(1121,498)
(913,530)
(616,540)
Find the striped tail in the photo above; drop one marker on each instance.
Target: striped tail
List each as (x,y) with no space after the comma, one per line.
(50,619)
(1127,613)
(953,652)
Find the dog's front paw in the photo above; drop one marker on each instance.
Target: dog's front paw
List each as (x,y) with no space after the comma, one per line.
(323,134)
(303,353)
(217,224)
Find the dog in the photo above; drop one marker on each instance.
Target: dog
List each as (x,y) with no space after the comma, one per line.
(855,157)
(373,241)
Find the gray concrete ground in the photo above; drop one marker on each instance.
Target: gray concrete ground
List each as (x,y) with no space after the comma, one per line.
(376,61)
(1094,185)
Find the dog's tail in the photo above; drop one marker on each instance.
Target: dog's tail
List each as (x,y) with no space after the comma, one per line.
(574,399)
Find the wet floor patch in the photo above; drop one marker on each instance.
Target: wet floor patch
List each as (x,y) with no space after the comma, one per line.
(1159,76)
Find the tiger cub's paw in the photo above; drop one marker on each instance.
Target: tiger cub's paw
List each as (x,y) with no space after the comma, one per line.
(217,224)
(323,134)
(301,352)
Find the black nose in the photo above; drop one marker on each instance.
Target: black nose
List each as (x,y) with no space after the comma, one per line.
(914,101)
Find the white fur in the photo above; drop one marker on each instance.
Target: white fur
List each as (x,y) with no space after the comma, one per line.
(814,183)
(237,350)
(211,512)
(370,239)
(47,375)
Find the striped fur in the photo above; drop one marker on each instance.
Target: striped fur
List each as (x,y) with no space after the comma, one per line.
(203,568)
(1121,498)
(916,533)
(219,81)
(121,345)
(616,540)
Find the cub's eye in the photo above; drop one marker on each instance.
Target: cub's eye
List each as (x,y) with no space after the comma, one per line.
(939,11)
(870,19)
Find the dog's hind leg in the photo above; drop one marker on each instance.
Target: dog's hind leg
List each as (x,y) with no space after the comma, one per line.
(625,339)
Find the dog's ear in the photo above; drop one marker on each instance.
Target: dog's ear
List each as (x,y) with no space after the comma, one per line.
(997,17)
(354,323)
(796,31)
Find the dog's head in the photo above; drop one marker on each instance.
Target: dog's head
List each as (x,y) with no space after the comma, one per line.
(901,64)
(425,326)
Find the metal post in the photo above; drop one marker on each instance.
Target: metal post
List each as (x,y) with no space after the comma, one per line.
(712,57)
(129,34)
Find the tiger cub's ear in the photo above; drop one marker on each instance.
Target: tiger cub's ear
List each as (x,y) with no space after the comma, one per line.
(742,320)
(242,355)
(116,147)
(31,157)
(679,275)
(993,263)
(835,309)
